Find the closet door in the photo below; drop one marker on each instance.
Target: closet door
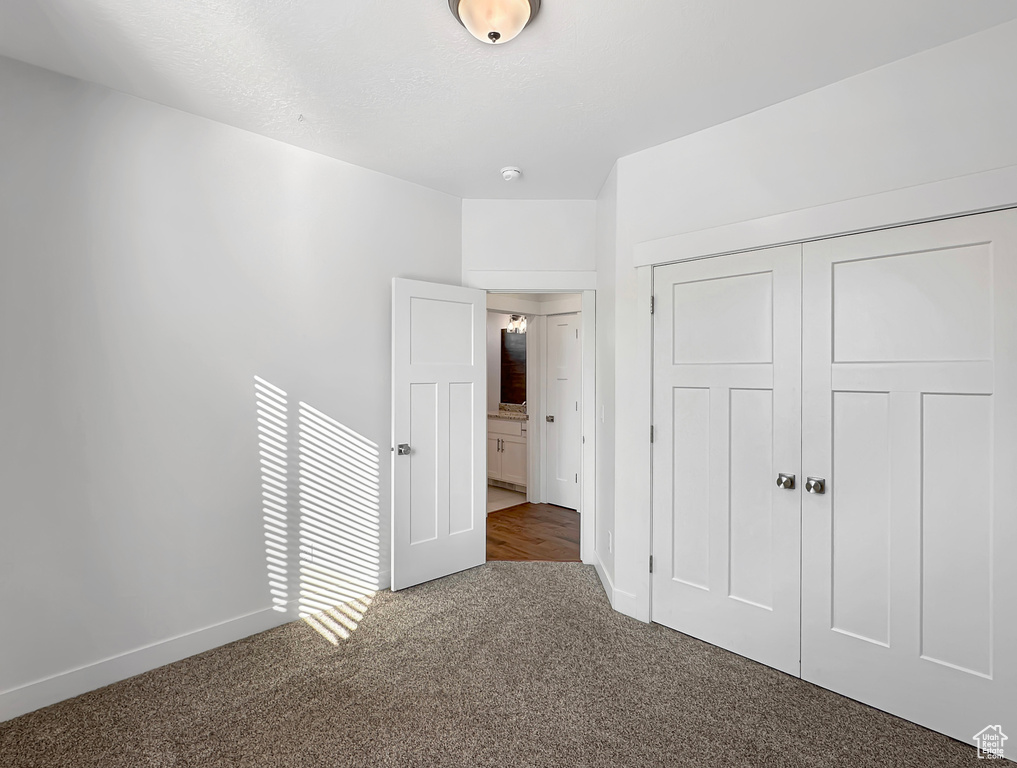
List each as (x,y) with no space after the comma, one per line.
(727,417)
(909,585)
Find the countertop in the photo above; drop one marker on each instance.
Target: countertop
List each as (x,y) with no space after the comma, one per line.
(508,415)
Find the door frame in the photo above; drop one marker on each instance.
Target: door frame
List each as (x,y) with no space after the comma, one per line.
(584,284)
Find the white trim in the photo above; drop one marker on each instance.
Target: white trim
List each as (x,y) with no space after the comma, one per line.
(605,578)
(631,605)
(496,302)
(638,604)
(975,193)
(559,282)
(536,491)
(530,282)
(589,424)
(565,305)
(74,682)
(621,601)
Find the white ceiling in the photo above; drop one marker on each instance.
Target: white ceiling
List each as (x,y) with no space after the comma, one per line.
(400,87)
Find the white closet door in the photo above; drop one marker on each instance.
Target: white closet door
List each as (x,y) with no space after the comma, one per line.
(727,415)
(909,591)
(564,433)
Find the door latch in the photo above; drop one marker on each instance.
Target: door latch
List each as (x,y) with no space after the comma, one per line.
(549,419)
(787,482)
(403,449)
(815,485)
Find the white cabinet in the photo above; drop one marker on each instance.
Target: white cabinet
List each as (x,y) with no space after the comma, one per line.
(513,459)
(507,458)
(902,397)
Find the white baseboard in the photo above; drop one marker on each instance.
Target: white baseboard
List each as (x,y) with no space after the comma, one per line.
(621,601)
(65,685)
(605,578)
(631,605)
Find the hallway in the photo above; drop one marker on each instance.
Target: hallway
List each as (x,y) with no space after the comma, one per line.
(533,532)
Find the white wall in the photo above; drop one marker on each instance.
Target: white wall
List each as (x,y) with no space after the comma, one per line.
(153,264)
(529,235)
(940,114)
(947,112)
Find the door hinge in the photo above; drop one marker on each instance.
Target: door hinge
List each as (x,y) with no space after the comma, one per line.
(577,477)
(651,563)
(652,302)
(577,333)
(651,433)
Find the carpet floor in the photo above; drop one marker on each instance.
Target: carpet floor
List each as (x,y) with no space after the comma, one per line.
(508,664)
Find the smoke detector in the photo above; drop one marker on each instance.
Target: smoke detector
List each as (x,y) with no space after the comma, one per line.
(510,173)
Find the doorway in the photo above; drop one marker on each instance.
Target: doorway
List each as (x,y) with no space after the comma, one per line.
(439,421)
(535,435)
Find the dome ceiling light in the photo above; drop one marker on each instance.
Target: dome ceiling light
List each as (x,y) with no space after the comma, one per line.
(494,21)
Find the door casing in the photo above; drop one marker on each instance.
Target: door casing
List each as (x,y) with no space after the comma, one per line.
(581,283)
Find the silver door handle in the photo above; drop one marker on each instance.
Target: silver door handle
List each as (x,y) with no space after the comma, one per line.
(403,449)
(549,418)
(787,482)
(815,485)
(499,444)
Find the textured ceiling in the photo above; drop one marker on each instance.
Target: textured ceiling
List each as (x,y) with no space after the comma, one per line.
(400,87)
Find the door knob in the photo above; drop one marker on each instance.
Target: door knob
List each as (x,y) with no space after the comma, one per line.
(549,418)
(403,449)
(815,485)
(787,482)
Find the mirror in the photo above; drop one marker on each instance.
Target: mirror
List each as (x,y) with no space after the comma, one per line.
(513,367)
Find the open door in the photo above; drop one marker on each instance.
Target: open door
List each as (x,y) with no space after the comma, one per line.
(439,420)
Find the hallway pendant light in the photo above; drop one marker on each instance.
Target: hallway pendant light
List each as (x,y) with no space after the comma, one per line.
(494,21)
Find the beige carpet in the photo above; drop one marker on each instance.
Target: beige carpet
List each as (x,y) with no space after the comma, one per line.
(510,664)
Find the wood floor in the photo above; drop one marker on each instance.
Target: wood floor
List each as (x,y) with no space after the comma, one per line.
(500,498)
(533,532)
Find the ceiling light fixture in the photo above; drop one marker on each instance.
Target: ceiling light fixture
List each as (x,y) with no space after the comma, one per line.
(516,324)
(494,21)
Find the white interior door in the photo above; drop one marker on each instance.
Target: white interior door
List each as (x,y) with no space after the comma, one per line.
(909,598)
(727,417)
(439,421)
(564,390)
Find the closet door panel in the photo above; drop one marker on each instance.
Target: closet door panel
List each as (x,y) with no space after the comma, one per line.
(727,419)
(909,590)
